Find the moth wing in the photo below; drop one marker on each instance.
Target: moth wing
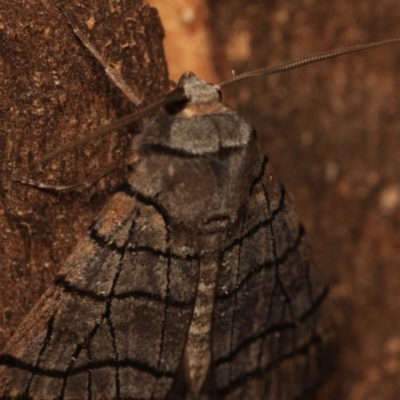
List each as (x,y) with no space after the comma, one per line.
(114,323)
(267,319)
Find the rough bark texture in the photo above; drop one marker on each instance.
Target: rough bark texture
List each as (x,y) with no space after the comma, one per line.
(331,131)
(53,91)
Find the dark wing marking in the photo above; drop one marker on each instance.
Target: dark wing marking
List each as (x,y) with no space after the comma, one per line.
(115,322)
(267,316)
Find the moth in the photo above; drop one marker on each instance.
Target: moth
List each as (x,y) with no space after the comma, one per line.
(194,282)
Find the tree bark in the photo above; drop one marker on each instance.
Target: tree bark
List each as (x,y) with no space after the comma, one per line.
(54,91)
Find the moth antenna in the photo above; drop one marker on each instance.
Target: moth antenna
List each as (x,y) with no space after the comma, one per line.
(115,77)
(286,66)
(317,57)
(117,124)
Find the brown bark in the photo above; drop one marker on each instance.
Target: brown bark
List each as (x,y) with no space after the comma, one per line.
(53,91)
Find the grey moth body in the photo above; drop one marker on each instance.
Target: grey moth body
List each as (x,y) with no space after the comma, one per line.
(194,282)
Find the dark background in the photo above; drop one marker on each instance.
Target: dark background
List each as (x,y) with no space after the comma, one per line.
(332,131)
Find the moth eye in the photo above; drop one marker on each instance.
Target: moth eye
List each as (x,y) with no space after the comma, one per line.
(175,101)
(219,94)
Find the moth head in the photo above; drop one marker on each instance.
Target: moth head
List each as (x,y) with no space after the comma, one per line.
(193,90)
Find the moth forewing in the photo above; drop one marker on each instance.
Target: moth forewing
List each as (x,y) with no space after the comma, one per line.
(269,274)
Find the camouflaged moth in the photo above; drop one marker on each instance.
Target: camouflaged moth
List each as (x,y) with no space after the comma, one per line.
(194,282)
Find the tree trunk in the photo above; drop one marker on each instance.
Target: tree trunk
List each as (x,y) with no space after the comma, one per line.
(53,92)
